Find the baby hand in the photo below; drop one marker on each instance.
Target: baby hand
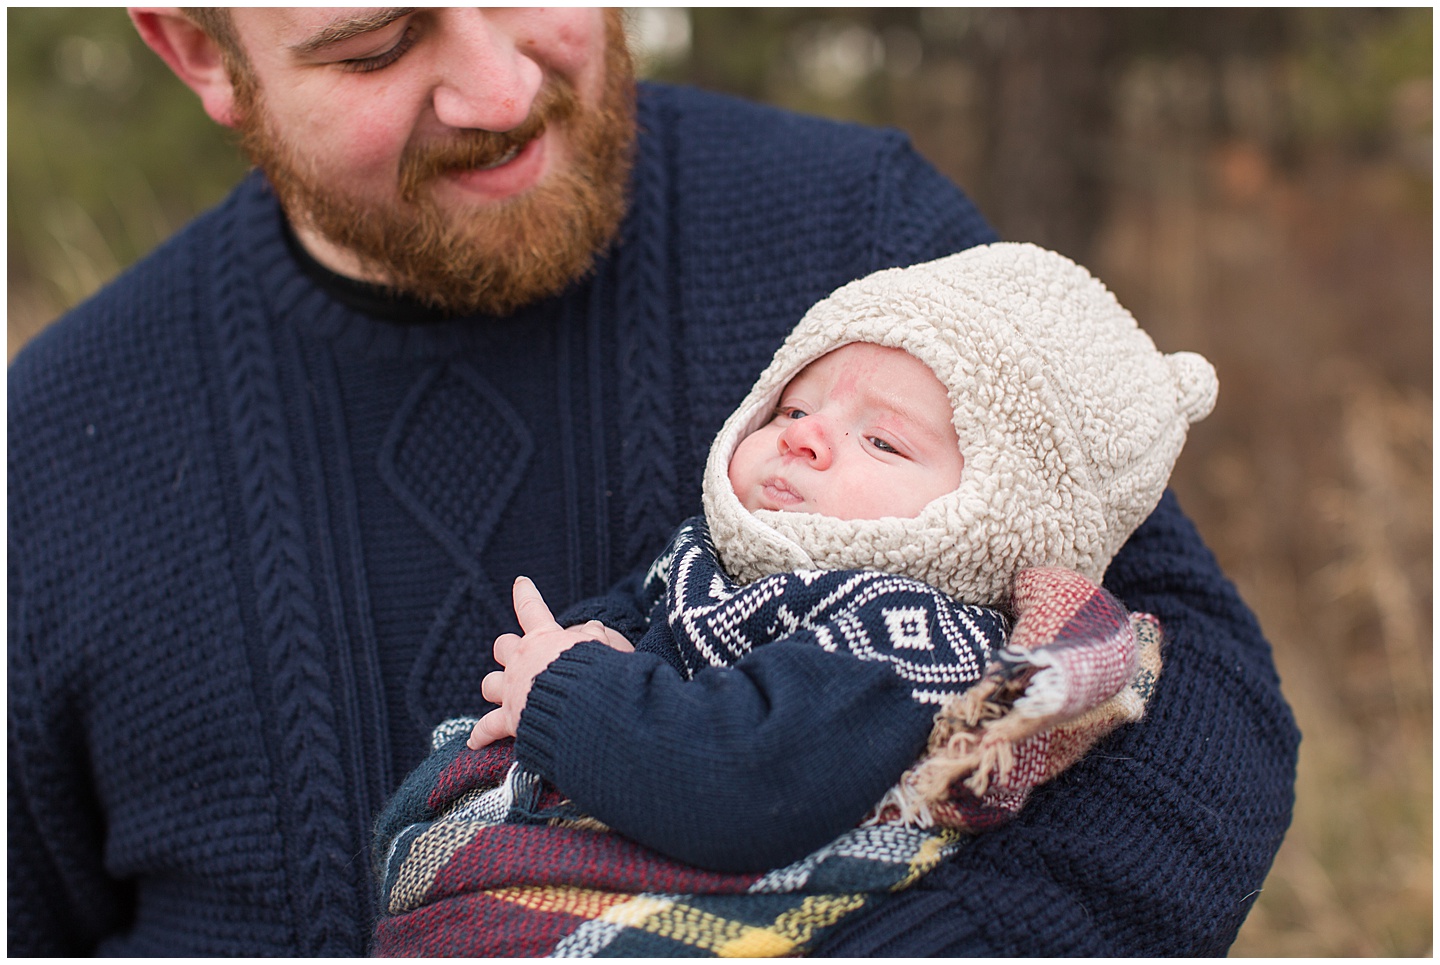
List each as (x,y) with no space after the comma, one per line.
(614,639)
(524,657)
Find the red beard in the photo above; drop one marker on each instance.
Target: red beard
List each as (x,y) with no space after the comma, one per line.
(481,262)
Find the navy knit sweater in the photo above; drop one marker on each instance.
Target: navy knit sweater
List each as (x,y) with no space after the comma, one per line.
(260,542)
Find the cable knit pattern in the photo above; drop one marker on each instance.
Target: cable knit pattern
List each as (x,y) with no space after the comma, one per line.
(452,651)
(454,411)
(219,607)
(647,361)
(118,662)
(285,599)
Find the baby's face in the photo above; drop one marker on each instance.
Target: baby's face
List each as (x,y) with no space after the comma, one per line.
(860,433)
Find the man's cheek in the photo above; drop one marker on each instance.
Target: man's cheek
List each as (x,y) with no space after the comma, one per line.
(574,43)
(369,151)
(355,135)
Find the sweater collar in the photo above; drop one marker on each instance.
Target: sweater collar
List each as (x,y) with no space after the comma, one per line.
(376,301)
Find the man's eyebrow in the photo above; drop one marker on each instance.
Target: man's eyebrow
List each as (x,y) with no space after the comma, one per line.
(346,27)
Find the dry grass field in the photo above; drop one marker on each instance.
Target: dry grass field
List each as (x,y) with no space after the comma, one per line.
(1308,282)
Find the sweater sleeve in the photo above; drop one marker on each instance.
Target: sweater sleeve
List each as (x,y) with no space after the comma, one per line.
(61,900)
(1157,842)
(740,769)
(920,214)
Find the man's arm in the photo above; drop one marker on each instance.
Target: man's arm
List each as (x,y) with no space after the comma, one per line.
(1159,840)
(60,901)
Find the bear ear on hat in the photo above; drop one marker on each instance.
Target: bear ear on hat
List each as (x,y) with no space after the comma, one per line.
(1196,385)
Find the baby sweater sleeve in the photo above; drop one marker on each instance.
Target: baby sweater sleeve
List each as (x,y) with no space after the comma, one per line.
(776,756)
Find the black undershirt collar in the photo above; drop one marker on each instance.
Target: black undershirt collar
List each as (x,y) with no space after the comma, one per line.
(376,301)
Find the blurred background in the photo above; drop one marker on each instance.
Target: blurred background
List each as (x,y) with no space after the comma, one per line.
(1254,184)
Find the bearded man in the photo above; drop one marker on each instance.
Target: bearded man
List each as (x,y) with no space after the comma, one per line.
(478,312)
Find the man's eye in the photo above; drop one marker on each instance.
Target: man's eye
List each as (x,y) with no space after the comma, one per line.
(882,445)
(364,65)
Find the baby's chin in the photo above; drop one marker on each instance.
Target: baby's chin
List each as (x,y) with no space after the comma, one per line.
(757,507)
(769,502)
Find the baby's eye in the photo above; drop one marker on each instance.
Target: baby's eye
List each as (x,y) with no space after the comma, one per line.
(882,445)
(791,412)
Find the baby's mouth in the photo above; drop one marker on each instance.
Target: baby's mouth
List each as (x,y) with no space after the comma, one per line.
(779,492)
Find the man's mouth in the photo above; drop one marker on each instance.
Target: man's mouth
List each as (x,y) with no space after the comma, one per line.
(503,159)
(478,154)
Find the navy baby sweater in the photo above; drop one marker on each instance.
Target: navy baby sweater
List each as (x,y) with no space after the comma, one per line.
(260,543)
(756,765)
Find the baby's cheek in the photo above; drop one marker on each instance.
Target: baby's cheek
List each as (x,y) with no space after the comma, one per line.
(742,481)
(741,461)
(737,483)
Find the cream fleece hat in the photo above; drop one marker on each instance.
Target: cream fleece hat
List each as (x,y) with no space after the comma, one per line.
(1069,420)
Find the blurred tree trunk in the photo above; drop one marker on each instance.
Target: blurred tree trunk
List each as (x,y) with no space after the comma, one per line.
(1046,107)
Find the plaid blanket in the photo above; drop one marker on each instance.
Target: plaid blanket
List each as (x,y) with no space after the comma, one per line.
(509,868)
(479,856)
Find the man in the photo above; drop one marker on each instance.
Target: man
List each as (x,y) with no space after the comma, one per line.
(269,488)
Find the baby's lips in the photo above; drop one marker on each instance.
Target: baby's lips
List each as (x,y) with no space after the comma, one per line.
(779,491)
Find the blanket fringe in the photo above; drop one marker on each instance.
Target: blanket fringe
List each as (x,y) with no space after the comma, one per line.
(974,738)
(978,734)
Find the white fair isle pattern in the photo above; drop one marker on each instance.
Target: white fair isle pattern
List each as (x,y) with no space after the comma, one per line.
(908,628)
(929,640)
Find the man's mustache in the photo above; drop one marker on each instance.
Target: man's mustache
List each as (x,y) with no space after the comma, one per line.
(470,149)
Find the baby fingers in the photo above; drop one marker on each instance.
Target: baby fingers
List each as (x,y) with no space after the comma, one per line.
(488,729)
(492,688)
(507,646)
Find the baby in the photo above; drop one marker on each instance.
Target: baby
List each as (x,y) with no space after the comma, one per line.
(924,436)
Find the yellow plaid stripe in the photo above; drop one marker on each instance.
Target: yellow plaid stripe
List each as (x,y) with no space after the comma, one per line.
(931,852)
(793,928)
(580,902)
(722,937)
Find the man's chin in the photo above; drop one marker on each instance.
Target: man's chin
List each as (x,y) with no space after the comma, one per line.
(480,259)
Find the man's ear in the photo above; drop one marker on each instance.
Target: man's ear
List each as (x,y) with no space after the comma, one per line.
(192,55)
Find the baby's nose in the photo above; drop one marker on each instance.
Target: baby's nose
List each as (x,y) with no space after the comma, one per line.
(807,438)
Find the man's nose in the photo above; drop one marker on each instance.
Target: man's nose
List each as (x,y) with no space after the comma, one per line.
(485,81)
(808,438)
